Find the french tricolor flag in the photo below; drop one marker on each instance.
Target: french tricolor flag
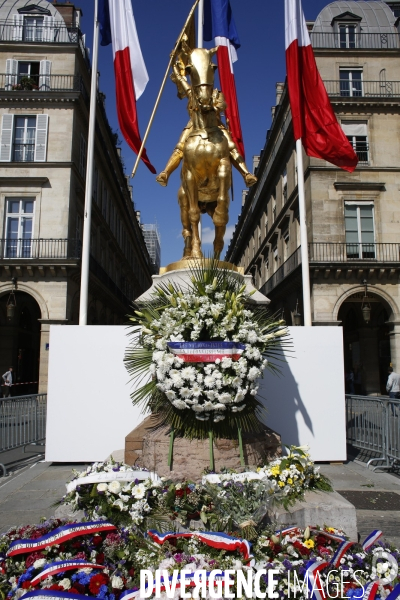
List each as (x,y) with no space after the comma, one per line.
(220,26)
(314,121)
(117,25)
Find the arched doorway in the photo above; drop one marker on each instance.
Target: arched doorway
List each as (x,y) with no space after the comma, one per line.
(20,342)
(366,344)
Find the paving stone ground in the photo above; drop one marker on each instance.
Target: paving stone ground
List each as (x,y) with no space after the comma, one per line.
(30,494)
(355,477)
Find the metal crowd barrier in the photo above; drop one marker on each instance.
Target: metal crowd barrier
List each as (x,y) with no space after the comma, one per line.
(373,423)
(22,421)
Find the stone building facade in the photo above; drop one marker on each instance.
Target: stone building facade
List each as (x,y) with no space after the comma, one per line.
(44,110)
(353,220)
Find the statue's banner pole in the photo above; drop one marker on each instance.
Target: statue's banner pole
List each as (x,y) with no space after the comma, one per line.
(172,56)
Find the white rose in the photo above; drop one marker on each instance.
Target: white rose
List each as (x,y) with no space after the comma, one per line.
(65,583)
(117,582)
(102,487)
(114,487)
(39,563)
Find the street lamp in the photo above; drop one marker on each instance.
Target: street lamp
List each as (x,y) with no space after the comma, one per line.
(297,315)
(365,306)
(12,301)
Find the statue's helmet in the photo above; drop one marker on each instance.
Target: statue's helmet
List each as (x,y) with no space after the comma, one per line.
(200,68)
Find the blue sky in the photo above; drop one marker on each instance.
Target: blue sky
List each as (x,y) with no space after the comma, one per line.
(261,64)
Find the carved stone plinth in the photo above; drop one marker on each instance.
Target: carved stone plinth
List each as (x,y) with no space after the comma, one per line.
(149,448)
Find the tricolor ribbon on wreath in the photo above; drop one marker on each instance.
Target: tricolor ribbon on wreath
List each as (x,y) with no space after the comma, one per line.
(63,565)
(206,351)
(58,536)
(221,541)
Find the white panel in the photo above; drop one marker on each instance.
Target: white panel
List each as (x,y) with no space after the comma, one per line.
(90,410)
(89,406)
(6,138)
(48,29)
(354,128)
(18,27)
(41,137)
(11,73)
(45,70)
(306,404)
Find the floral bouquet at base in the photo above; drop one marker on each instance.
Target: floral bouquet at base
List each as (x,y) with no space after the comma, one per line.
(197,391)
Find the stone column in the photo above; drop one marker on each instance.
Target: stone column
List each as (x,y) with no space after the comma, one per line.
(45,349)
(369,359)
(395,346)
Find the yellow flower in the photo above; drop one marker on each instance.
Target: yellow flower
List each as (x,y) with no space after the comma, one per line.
(330,530)
(290,480)
(275,471)
(309,544)
(281,484)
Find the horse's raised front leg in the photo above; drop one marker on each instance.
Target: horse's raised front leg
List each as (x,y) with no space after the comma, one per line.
(221,215)
(187,227)
(194,213)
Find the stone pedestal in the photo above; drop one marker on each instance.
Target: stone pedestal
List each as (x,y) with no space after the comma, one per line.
(149,447)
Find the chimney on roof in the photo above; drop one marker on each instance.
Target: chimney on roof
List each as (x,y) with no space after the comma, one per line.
(69,13)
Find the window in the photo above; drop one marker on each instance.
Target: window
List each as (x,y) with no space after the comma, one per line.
(26,75)
(285,244)
(24,139)
(347,35)
(19,227)
(360,230)
(82,157)
(284,186)
(33,29)
(351,82)
(356,133)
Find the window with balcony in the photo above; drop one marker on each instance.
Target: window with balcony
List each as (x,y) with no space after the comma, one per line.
(351,82)
(347,35)
(19,227)
(360,230)
(357,134)
(22,75)
(24,139)
(285,236)
(33,28)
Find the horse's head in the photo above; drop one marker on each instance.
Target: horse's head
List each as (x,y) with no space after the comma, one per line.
(201,70)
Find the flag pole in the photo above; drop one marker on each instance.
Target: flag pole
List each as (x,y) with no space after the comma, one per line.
(83,303)
(305,269)
(200,24)
(200,27)
(172,56)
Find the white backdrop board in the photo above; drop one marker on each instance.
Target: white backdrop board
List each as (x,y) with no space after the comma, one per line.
(306,403)
(90,410)
(89,407)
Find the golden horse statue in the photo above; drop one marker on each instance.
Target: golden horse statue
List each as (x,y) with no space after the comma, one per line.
(207,151)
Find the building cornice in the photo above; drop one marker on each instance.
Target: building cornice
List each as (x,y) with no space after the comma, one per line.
(359,185)
(22,181)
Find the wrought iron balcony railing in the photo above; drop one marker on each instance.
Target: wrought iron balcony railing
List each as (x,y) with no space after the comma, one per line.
(350,252)
(41,83)
(287,267)
(40,32)
(340,252)
(40,248)
(360,41)
(362,89)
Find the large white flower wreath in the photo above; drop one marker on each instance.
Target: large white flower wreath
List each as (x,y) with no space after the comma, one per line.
(212,309)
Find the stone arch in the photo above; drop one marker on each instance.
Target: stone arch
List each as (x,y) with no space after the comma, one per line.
(22,287)
(373,289)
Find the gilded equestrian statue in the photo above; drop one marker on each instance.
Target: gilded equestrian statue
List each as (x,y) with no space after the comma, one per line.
(206,150)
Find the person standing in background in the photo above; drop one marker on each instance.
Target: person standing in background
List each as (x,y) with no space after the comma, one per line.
(393,384)
(7,382)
